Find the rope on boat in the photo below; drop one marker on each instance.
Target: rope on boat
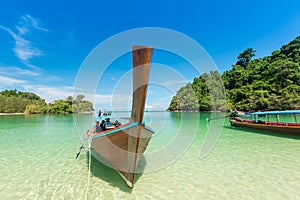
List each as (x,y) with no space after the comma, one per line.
(81,144)
(217,118)
(89,172)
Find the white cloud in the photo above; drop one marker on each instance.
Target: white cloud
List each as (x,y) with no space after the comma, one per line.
(174,83)
(50,78)
(24,49)
(27,72)
(155,107)
(6,81)
(50,93)
(101,98)
(27,23)
(17,72)
(111,101)
(30,78)
(62,92)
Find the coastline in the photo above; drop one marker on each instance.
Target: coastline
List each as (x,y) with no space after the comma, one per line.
(195,111)
(12,114)
(85,112)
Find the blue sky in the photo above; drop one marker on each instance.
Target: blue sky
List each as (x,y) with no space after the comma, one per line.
(43,43)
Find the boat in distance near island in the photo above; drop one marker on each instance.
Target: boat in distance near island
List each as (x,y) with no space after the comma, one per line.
(276,127)
(121,146)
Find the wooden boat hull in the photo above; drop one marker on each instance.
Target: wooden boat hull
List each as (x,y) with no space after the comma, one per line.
(118,151)
(122,147)
(285,129)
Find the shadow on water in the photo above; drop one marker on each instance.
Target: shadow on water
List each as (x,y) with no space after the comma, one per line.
(110,175)
(262,132)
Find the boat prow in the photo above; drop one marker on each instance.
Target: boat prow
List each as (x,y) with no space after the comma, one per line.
(122,147)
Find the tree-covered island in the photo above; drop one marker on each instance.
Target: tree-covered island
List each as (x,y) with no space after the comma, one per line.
(269,83)
(13,101)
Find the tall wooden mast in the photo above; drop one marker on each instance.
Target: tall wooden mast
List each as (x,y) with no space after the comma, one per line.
(141,59)
(123,148)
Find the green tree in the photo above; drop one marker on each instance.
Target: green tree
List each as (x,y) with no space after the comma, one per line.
(245,57)
(268,83)
(79,98)
(13,101)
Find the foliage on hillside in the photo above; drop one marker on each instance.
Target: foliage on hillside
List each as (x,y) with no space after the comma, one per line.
(13,101)
(70,105)
(269,83)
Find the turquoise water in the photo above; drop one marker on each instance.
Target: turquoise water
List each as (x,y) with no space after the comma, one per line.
(38,161)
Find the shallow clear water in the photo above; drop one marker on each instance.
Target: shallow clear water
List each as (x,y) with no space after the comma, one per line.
(38,161)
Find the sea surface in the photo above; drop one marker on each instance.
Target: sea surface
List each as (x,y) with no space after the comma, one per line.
(189,157)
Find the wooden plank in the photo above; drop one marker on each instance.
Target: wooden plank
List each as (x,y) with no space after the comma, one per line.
(123,150)
(141,59)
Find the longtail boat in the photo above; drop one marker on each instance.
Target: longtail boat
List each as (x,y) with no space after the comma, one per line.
(266,125)
(122,147)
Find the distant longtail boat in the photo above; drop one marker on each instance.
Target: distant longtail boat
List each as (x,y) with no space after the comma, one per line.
(277,127)
(122,146)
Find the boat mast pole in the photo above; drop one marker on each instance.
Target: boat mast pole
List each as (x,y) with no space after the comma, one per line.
(141,58)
